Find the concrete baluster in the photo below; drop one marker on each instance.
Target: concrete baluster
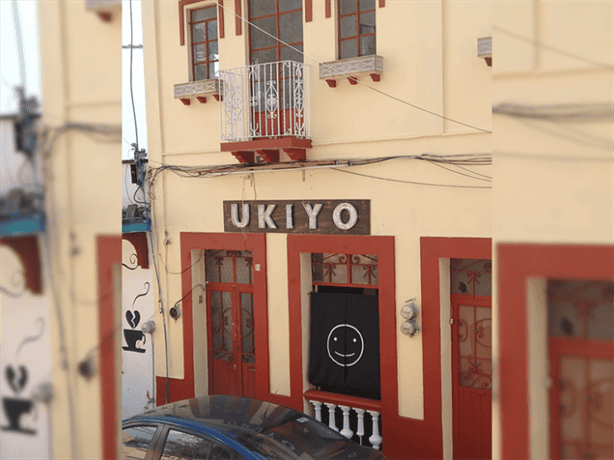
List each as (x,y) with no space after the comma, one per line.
(346,422)
(360,431)
(331,416)
(375,439)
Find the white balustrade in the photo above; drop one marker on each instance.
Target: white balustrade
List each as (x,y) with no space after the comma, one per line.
(331,420)
(375,439)
(265,100)
(360,431)
(346,422)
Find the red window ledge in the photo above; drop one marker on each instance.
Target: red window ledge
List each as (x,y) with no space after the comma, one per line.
(268,149)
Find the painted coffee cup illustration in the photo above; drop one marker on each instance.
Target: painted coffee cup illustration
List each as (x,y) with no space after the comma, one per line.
(15,408)
(133,339)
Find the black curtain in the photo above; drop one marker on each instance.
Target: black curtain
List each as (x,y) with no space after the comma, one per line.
(344,347)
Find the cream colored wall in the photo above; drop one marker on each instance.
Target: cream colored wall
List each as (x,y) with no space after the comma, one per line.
(81,62)
(430,60)
(553,180)
(433,33)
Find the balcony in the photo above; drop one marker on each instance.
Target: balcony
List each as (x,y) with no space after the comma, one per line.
(350,411)
(265,109)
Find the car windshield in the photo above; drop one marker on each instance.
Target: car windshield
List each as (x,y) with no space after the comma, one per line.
(291,439)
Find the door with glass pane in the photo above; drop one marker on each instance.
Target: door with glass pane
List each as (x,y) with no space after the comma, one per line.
(581,353)
(275,81)
(471,358)
(230,319)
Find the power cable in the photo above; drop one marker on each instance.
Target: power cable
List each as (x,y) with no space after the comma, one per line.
(553,49)
(347,75)
(409,182)
(440,165)
(597,142)
(576,112)
(147,218)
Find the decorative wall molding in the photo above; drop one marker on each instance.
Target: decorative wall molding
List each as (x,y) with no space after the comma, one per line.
(352,68)
(197,89)
(485,49)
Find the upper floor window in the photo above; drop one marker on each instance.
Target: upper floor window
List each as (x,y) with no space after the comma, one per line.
(204,43)
(282,19)
(356,28)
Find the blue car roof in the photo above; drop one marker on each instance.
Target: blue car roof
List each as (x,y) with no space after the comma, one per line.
(196,427)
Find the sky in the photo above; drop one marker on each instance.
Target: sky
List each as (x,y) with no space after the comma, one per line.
(138,80)
(10,75)
(9,58)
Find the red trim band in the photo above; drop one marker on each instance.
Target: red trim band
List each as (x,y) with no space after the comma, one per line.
(308,10)
(517,263)
(109,250)
(238,18)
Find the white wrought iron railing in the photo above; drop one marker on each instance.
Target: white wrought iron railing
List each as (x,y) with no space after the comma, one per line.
(360,408)
(265,101)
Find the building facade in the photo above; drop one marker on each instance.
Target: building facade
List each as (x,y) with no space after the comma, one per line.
(323,189)
(59,264)
(552,228)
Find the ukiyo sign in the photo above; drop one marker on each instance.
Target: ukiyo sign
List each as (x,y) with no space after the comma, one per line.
(323,217)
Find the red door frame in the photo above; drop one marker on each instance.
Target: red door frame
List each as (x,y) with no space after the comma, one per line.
(401,435)
(109,253)
(427,435)
(517,263)
(256,243)
(383,247)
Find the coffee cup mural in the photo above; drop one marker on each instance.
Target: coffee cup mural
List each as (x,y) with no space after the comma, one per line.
(16,406)
(135,339)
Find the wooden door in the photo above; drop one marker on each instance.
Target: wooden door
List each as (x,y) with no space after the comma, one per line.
(581,354)
(230,319)
(472,376)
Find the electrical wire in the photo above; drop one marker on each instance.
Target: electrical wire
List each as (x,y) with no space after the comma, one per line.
(354,79)
(409,182)
(576,112)
(62,342)
(147,218)
(476,159)
(136,130)
(185,269)
(440,165)
(567,133)
(553,49)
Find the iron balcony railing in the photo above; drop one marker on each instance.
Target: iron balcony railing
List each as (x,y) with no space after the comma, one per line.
(265,101)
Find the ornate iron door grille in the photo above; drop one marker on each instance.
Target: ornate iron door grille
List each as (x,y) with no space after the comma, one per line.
(350,270)
(580,348)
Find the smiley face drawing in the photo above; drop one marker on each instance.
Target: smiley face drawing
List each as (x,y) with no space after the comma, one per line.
(345,345)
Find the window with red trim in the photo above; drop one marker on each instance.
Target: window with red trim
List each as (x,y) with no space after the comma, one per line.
(356,26)
(204,43)
(282,19)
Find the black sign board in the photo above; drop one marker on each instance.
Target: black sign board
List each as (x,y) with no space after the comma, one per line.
(320,217)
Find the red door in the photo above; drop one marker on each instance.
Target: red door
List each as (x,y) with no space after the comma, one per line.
(230,319)
(581,353)
(471,288)
(472,376)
